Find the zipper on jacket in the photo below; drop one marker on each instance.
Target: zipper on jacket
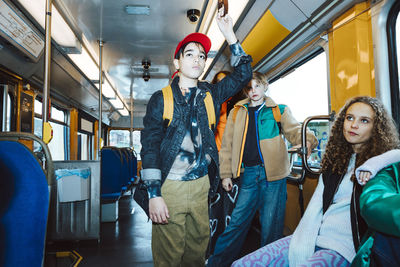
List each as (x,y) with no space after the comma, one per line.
(258,138)
(355,215)
(246,123)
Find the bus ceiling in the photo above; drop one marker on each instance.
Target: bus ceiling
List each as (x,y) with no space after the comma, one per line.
(139,41)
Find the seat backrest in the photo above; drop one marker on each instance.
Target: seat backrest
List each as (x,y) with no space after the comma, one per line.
(24,203)
(134,166)
(111,166)
(126,169)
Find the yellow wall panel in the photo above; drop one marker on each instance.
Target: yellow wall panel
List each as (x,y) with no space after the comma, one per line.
(351,59)
(30,106)
(267,33)
(292,213)
(73,134)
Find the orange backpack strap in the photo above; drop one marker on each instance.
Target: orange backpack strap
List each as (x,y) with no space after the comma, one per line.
(277,113)
(208,102)
(277,117)
(168,105)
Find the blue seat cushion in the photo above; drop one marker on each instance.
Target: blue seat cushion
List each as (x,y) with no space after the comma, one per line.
(23,207)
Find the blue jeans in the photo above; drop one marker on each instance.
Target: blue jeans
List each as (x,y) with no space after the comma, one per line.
(385,251)
(255,194)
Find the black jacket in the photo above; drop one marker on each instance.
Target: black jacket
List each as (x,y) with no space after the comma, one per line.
(331,185)
(160,144)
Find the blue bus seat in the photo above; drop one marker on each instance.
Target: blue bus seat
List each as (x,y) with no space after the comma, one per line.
(24,203)
(111,169)
(126,168)
(134,167)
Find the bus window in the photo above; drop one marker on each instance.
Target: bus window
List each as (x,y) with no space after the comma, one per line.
(137,146)
(5,109)
(321,130)
(8,115)
(85,137)
(84,146)
(58,115)
(56,145)
(305,90)
(57,122)
(120,138)
(38,108)
(37,124)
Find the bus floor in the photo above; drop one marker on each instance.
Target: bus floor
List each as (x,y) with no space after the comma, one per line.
(126,242)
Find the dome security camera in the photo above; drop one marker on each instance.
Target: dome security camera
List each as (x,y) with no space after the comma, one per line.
(193,15)
(146,76)
(146,64)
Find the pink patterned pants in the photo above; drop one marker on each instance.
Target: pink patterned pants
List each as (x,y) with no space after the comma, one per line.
(276,254)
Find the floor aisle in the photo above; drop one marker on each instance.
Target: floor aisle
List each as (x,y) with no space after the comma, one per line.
(126,242)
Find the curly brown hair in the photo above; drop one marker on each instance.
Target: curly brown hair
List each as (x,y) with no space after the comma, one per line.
(384,137)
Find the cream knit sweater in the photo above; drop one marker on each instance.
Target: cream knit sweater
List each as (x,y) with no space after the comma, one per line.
(331,230)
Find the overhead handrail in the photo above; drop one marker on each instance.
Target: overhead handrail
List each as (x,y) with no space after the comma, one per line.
(15,136)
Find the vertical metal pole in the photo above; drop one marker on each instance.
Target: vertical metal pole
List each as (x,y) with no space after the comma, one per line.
(5,108)
(131,115)
(101,44)
(47,61)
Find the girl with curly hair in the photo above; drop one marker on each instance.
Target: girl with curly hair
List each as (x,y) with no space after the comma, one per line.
(331,229)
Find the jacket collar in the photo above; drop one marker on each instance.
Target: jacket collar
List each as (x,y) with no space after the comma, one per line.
(180,99)
(202,86)
(269,103)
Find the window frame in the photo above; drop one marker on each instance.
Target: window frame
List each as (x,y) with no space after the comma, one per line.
(40,116)
(63,123)
(298,64)
(393,16)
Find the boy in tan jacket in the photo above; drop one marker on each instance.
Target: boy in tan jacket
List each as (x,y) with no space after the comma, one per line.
(253,139)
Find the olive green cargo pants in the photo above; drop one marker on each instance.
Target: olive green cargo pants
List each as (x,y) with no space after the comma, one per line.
(183,241)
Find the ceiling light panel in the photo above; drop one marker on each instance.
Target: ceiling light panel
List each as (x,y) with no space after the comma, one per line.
(60,30)
(86,64)
(117,103)
(124,112)
(137,10)
(107,90)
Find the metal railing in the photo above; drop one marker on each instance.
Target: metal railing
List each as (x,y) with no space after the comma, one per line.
(304,151)
(306,170)
(47,166)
